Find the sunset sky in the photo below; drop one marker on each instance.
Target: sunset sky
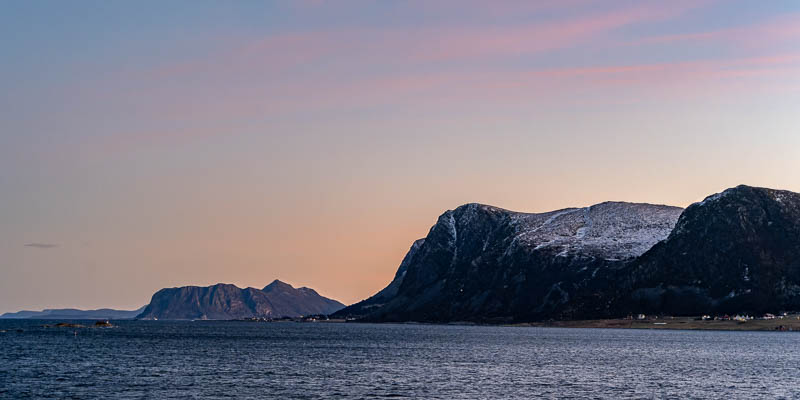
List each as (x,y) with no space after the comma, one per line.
(155,144)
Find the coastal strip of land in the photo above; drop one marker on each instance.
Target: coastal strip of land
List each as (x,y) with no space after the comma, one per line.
(790,323)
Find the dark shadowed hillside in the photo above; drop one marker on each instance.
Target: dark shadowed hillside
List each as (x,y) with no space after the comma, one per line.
(736,251)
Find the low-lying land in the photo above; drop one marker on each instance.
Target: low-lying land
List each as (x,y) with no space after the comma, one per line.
(791,323)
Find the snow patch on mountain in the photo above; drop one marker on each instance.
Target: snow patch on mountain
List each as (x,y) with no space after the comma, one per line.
(611,230)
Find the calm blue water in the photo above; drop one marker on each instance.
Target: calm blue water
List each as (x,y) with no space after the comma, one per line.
(155,359)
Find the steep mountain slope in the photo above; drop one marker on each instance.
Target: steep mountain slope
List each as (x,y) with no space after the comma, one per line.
(482,263)
(292,301)
(736,251)
(224,301)
(373,303)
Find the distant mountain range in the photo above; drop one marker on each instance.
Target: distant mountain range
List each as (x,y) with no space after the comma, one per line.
(224,302)
(72,313)
(736,251)
(217,302)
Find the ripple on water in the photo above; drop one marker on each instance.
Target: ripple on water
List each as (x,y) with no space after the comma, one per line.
(159,359)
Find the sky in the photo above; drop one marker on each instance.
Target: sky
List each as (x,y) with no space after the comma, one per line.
(157,144)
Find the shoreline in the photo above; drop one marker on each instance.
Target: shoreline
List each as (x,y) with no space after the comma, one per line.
(788,324)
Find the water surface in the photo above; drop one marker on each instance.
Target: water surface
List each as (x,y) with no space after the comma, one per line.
(158,359)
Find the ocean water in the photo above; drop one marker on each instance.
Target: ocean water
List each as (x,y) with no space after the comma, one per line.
(156,359)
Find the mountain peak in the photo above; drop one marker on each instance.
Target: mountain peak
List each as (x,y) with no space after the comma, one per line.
(744,195)
(278,284)
(736,250)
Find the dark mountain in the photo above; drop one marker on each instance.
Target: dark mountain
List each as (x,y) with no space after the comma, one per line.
(72,313)
(223,301)
(482,263)
(737,251)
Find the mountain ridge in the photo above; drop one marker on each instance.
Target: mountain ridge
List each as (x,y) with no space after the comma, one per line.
(226,301)
(485,264)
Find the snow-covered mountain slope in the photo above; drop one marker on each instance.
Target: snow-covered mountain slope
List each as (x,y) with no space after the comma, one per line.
(481,262)
(610,230)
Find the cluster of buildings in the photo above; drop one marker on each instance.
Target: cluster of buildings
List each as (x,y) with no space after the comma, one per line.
(744,318)
(726,317)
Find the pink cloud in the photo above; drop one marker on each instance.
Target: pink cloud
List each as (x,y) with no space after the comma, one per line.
(461,43)
(448,90)
(776,30)
(393,47)
(304,97)
(297,74)
(689,71)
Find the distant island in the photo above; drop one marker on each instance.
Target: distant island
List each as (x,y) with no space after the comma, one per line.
(72,313)
(737,251)
(226,302)
(217,302)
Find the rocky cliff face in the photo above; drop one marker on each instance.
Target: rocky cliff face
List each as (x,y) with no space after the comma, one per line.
(223,301)
(482,263)
(737,251)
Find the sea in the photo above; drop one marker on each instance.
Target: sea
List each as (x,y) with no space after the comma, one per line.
(292,360)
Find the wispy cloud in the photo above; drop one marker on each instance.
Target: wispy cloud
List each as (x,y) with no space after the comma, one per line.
(43,246)
(777,30)
(540,37)
(304,72)
(695,65)
(395,47)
